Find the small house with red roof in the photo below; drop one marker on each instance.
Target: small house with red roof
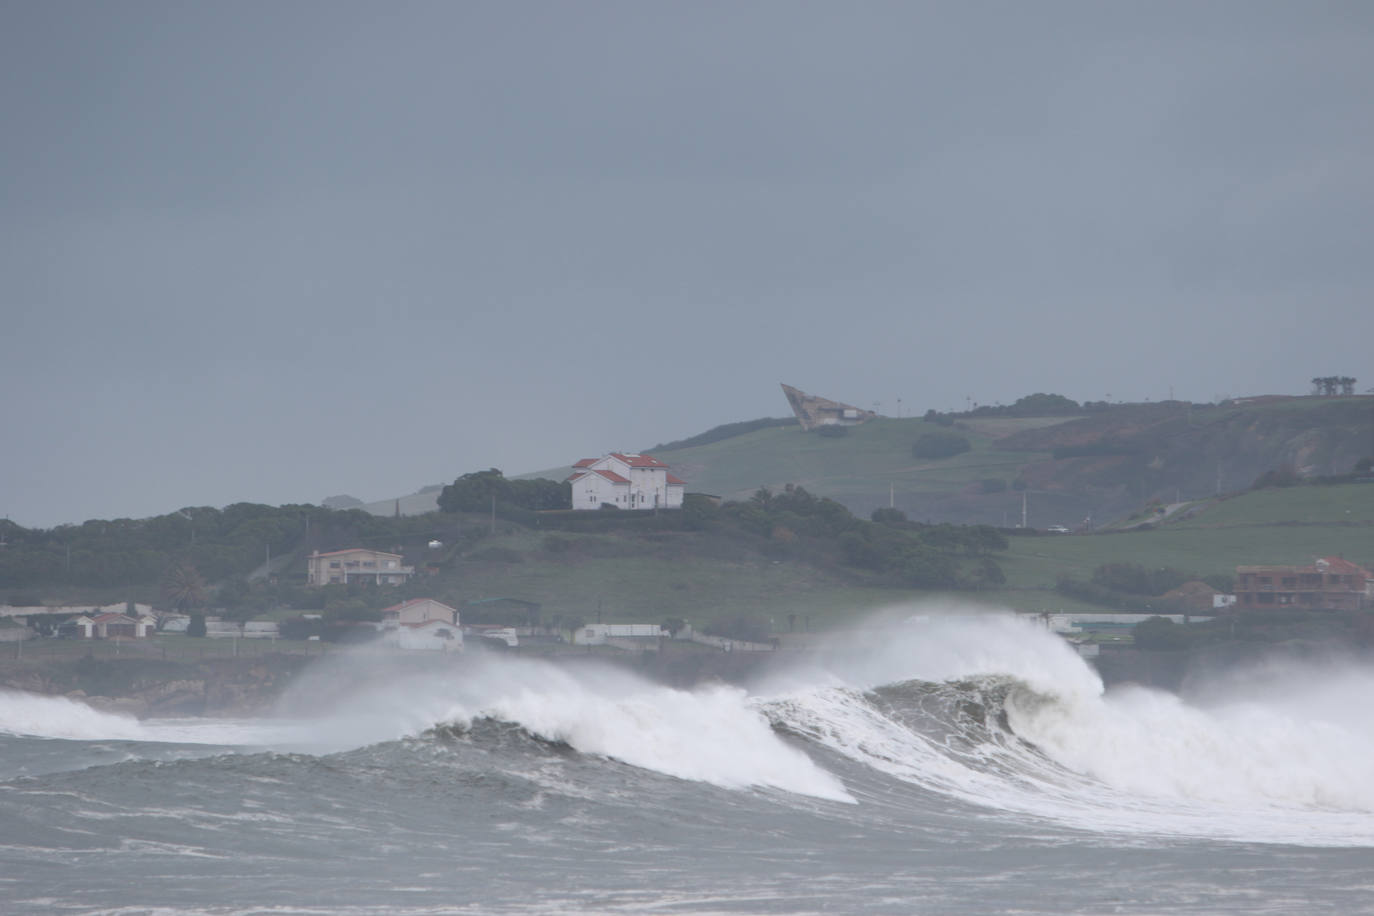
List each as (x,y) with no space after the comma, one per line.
(418,610)
(110,626)
(1329,584)
(626,482)
(434,635)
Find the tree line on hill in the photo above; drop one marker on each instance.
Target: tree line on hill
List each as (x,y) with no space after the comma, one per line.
(1327,385)
(889,547)
(221,544)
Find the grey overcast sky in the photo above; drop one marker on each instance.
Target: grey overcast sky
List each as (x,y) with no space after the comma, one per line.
(276,251)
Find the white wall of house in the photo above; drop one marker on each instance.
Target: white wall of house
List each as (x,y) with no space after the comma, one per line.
(598,634)
(648,487)
(433,636)
(591,490)
(419,611)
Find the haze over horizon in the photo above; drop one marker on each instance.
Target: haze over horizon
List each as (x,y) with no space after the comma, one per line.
(275,253)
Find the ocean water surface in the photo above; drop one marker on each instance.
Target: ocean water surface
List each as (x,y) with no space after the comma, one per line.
(967,764)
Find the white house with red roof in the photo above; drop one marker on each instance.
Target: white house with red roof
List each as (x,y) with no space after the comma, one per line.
(434,635)
(626,482)
(110,626)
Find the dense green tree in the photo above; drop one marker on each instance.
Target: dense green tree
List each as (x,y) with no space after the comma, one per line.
(1044,405)
(474,492)
(1159,633)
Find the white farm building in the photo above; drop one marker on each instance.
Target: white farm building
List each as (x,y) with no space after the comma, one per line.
(626,482)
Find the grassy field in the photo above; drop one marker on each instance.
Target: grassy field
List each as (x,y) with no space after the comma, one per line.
(678,576)
(870,458)
(1330,506)
(699,578)
(1292,525)
(873,458)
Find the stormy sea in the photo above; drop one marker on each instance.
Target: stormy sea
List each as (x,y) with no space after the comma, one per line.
(960,764)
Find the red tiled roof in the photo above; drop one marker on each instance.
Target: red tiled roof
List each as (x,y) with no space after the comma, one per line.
(639,461)
(612,476)
(673,478)
(413,601)
(1343,567)
(634,461)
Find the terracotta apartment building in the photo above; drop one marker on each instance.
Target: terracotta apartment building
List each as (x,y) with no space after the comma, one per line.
(357,564)
(1329,584)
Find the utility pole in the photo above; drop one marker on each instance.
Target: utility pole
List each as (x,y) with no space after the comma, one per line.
(1023,509)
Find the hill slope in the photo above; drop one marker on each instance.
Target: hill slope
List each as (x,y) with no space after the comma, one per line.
(1062,470)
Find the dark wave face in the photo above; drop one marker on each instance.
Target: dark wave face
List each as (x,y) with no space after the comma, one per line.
(961,765)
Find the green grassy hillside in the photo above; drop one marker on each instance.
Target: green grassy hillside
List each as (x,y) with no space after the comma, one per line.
(1100,466)
(1290,525)
(691,575)
(870,465)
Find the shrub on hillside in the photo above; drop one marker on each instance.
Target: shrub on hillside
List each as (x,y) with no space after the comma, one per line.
(1159,633)
(940,445)
(1285,476)
(832,431)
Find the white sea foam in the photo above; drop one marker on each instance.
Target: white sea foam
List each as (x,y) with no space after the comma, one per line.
(35,715)
(60,717)
(1281,765)
(712,734)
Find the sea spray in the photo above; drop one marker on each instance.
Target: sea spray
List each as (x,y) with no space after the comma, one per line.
(935,643)
(997,712)
(1249,754)
(711,734)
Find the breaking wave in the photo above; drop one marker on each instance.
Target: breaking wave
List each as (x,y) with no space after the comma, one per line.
(985,709)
